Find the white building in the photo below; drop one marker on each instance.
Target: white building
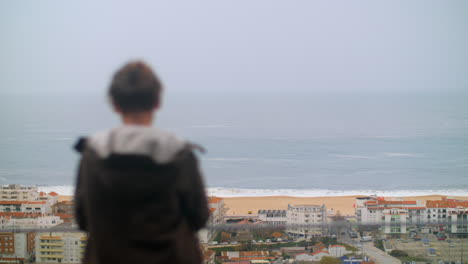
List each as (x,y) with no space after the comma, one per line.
(16,192)
(41,207)
(369,210)
(16,247)
(273,217)
(217,213)
(60,247)
(395,220)
(458,218)
(306,220)
(316,256)
(28,220)
(338,251)
(447,212)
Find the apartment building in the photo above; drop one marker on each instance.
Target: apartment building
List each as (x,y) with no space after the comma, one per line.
(16,247)
(395,220)
(64,207)
(303,215)
(41,207)
(28,220)
(217,212)
(273,217)
(16,192)
(458,220)
(60,247)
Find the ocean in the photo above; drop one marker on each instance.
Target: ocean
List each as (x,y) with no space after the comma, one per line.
(299,144)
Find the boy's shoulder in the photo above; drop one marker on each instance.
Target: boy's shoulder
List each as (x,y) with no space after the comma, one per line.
(159,145)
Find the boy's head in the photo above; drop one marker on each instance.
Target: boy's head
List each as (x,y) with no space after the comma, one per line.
(135,89)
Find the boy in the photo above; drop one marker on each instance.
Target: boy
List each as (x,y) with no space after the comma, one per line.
(139,193)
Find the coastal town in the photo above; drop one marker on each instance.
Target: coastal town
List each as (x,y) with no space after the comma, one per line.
(39,227)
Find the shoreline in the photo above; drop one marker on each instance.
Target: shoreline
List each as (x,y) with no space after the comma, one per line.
(242,205)
(344,204)
(246,192)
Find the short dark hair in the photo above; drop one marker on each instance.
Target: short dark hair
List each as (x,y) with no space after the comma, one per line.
(135,88)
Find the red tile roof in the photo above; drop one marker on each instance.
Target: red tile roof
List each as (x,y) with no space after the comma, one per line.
(53,193)
(214,199)
(389,202)
(321,251)
(448,203)
(65,217)
(22,202)
(253,253)
(253,258)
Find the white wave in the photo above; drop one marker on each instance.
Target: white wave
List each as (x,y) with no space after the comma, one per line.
(397,154)
(236,192)
(208,126)
(244,192)
(64,139)
(345,156)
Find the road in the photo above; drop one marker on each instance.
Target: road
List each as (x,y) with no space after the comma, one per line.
(368,249)
(378,255)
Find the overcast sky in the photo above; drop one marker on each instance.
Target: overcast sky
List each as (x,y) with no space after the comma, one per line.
(242,45)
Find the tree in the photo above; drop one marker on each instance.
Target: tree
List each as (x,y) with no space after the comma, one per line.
(330,260)
(398,253)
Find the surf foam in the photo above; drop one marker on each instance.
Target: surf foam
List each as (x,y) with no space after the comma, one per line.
(244,192)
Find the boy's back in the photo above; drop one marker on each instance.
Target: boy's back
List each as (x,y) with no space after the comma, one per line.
(140,196)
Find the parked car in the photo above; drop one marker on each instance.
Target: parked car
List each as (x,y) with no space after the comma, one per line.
(366,239)
(225,243)
(260,241)
(253,241)
(441,236)
(234,243)
(268,241)
(214,242)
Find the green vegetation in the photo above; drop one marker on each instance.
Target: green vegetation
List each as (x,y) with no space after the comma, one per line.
(398,253)
(379,244)
(413,259)
(217,237)
(326,240)
(219,249)
(329,260)
(349,247)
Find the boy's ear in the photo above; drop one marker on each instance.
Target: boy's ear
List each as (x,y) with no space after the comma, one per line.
(157,105)
(116,108)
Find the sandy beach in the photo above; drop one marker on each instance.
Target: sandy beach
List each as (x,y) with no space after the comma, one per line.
(344,204)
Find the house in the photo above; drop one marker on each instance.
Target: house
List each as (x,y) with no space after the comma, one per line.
(64,207)
(208,256)
(318,247)
(273,217)
(337,251)
(316,256)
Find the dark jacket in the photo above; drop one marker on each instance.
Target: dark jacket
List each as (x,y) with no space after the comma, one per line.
(140,197)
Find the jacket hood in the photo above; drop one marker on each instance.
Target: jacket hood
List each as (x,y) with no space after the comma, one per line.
(159,145)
